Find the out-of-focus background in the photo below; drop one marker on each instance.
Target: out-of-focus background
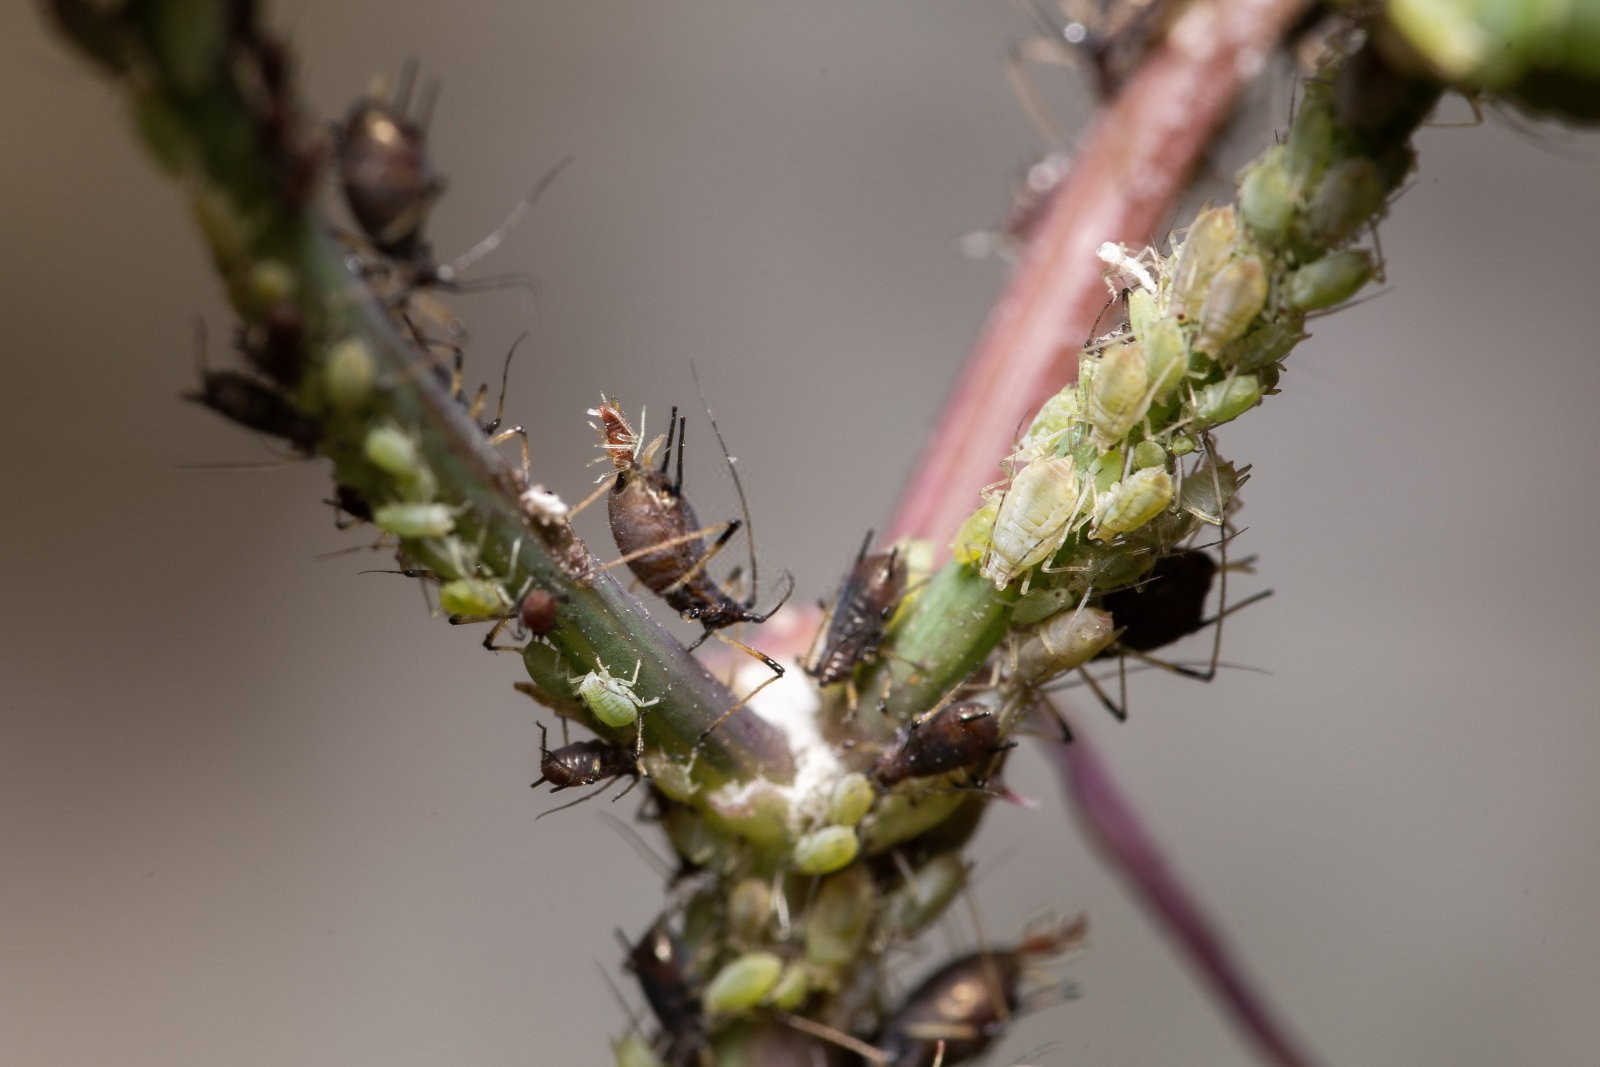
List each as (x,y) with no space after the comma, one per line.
(258,809)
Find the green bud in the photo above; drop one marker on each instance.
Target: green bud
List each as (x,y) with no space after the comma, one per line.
(826,850)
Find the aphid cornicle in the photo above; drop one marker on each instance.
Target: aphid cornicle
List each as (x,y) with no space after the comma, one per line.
(657,962)
(954,738)
(965,1005)
(866,599)
(647,509)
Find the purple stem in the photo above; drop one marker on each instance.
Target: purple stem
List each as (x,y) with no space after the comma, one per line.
(1116,831)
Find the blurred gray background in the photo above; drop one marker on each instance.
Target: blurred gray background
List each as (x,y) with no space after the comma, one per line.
(257,809)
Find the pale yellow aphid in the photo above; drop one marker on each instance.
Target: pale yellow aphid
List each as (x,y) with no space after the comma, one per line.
(1237,294)
(1033,520)
(1131,503)
(1118,393)
(1205,249)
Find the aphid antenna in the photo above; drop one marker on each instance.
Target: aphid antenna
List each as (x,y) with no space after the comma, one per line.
(997,987)
(622,1002)
(449,274)
(601,788)
(738,486)
(811,1028)
(724,532)
(401,98)
(426,104)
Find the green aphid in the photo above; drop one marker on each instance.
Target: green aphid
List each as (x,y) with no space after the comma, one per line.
(826,850)
(1166,357)
(1182,444)
(850,800)
(413,521)
(610,697)
(1267,200)
(1149,454)
(1266,344)
(349,373)
(1237,294)
(1050,425)
(1131,503)
(793,986)
(1208,489)
(1207,247)
(1226,400)
(742,983)
(749,908)
(1311,138)
(1348,196)
(1119,393)
(1331,280)
(474,598)
(392,451)
(971,542)
(838,920)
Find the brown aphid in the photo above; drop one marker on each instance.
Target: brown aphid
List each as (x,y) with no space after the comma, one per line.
(250,403)
(657,531)
(384,171)
(277,345)
(967,1003)
(867,598)
(951,739)
(348,500)
(584,763)
(537,612)
(657,962)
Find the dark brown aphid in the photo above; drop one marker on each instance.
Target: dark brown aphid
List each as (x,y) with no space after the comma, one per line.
(348,500)
(658,534)
(584,763)
(657,962)
(953,738)
(253,404)
(384,170)
(277,345)
(867,598)
(1168,604)
(967,1003)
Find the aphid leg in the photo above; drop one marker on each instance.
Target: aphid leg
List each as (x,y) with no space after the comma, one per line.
(1118,711)
(705,557)
(738,488)
(574,803)
(811,1028)
(1045,704)
(600,490)
(522,441)
(742,701)
(722,531)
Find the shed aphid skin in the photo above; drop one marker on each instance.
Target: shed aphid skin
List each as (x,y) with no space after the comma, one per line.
(391,187)
(657,963)
(612,700)
(956,737)
(959,1010)
(867,597)
(584,763)
(662,541)
(253,404)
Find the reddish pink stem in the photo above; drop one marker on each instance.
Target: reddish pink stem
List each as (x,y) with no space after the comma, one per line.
(1132,166)
(1114,826)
